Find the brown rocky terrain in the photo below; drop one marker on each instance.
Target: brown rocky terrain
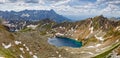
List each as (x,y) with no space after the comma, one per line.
(99,35)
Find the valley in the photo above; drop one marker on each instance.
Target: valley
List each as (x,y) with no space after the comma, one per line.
(99,37)
(59,28)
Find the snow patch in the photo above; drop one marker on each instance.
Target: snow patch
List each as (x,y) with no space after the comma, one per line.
(90,23)
(99,38)
(30,53)
(72,29)
(60,56)
(87,52)
(25,15)
(91,47)
(118,28)
(26,47)
(34,56)
(91,29)
(97,45)
(57,52)
(94,46)
(114,55)
(60,27)
(17,42)
(21,56)
(22,50)
(90,53)
(97,50)
(66,49)
(59,34)
(117,40)
(71,52)
(6,46)
(32,26)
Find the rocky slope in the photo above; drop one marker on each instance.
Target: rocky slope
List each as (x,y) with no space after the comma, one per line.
(99,35)
(28,44)
(96,33)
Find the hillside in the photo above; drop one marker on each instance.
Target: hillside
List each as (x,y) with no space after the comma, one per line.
(28,45)
(96,33)
(100,37)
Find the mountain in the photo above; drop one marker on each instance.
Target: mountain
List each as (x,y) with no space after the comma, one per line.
(87,26)
(99,35)
(27,45)
(33,15)
(118,18)
(114,18)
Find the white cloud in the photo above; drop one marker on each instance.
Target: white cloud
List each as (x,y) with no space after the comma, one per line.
(65,7)
(113,9)
(41,2)
(62,2)
(3,1)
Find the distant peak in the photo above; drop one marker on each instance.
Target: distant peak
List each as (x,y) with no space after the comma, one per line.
(101,16)
(25,10)
(52,11)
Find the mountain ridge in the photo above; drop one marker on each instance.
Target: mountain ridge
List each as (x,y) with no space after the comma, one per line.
(99,35)
(33,15)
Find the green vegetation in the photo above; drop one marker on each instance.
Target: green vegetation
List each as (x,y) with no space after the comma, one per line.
(45,28)
(6,53)
(104,53)
(5,33)
(37,41)
(1,20)
(25,29)
(42,33)
(112,33)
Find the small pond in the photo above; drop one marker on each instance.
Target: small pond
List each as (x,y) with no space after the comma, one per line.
(63,41)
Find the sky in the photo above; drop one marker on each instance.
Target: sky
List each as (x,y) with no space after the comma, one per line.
(74,9)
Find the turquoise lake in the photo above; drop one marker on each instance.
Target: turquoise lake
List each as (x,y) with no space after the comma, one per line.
(62,41)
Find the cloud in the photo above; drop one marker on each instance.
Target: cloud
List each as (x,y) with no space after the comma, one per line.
(54,0)
(65,7)
(2,1)
(26,1)
(62,2)
(31,1)
(111,8)
(13,1)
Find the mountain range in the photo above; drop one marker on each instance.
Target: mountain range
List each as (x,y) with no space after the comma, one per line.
(33,15)
(99,35)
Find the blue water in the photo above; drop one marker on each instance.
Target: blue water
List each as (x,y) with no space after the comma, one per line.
(59,42)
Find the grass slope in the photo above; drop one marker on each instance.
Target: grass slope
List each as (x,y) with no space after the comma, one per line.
(104,53)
